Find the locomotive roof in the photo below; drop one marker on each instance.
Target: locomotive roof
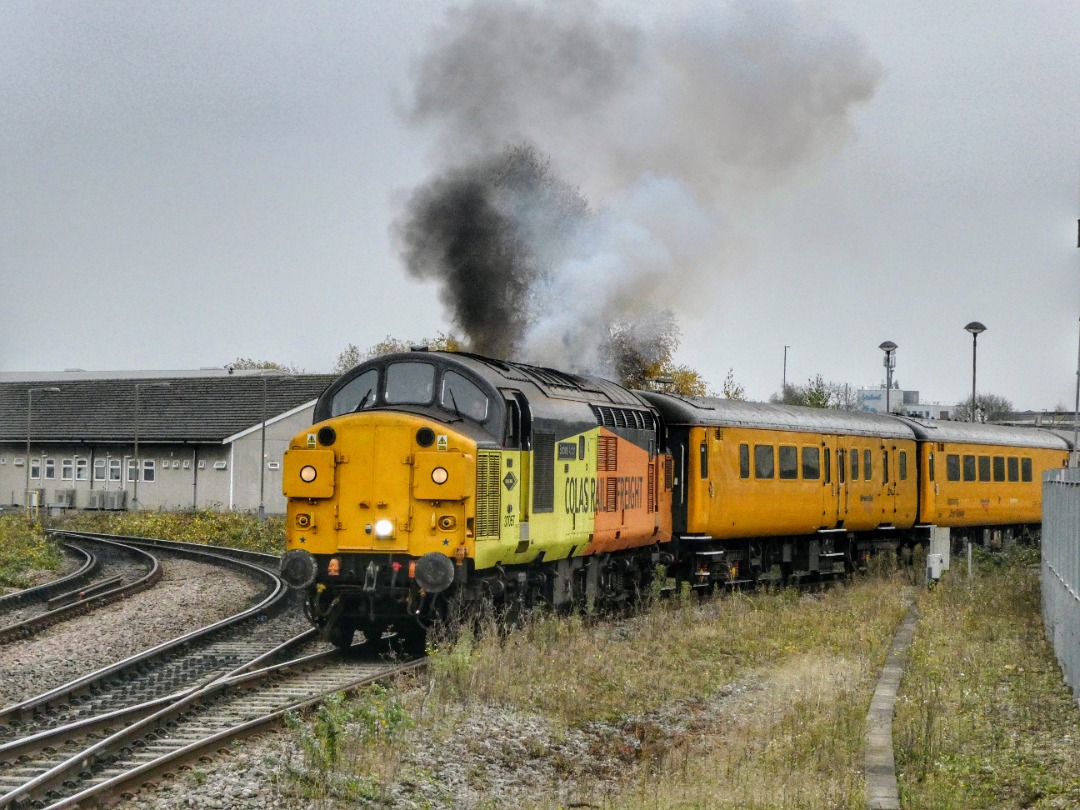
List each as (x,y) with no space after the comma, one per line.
(713,411)
(978,433)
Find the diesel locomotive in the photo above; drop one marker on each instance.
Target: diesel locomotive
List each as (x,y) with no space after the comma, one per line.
(435,478)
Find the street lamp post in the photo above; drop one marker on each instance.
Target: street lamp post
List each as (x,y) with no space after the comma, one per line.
(783,389)
(138,464)
(29,425)
(976,329)
(262,439)
(890,363)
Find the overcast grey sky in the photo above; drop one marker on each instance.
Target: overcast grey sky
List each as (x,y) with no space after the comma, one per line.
(183,184)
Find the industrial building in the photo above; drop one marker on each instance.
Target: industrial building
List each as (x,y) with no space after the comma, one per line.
(150,440)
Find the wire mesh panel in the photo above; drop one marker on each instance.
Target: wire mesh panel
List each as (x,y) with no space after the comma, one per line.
(1061,569)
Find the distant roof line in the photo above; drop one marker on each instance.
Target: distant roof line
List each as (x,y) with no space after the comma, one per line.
(135,374)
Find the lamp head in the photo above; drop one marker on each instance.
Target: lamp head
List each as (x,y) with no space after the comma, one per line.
(975,328)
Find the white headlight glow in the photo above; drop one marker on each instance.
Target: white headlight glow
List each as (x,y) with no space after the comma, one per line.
(384,528)
(308,474)
(439,475)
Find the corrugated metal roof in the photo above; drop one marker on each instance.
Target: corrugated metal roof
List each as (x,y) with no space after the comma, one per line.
(977,433)
(712,411)
(190,409)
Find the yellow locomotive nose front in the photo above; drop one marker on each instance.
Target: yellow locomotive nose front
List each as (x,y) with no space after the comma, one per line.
(370,490)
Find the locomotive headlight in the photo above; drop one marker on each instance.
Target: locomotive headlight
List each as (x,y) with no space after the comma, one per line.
(439,475)
(308,474)
(384,528)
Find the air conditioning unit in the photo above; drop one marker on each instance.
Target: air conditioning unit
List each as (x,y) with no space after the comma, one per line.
(116,499)
(95,499)
(65,498)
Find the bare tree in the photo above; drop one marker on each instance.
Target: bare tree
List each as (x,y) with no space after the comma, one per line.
(988,408)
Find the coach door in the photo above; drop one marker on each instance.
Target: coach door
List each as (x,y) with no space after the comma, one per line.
(841,473)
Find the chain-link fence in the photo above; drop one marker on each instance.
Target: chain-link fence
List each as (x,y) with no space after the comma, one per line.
(1061,569)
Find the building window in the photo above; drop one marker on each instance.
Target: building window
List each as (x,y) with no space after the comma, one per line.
(114,469)
(67,470)
(149,469)
(132,469)
(82,469)
(35,468)
(50,469)
(99,469)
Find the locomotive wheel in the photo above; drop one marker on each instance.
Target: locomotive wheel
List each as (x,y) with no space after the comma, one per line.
(373,638)
(341,635)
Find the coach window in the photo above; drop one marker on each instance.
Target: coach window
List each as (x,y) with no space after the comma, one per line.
(1025,470)
(811,463)
(464,397)
(841,465)
(903,465)
(789,462)
(1014,468)
(744,461)
(409,383)
(969,468)
(703,454)
(356,394)
(930,466)
(952,467)
(867,465)
(999,468)
(885,465)
(984,468)
(764,466)
(854,465)
(828,466)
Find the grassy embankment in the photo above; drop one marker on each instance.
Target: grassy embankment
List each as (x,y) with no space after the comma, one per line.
(984,719)
(231,529)
(738,701)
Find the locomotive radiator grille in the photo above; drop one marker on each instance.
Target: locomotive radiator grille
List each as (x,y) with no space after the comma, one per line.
(487,494)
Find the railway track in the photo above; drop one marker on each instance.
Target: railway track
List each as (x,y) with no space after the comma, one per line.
(109,572)
(83,741)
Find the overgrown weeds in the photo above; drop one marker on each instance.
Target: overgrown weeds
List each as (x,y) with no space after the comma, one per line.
(740,700)
(205,526)
(23,550)
(984,719)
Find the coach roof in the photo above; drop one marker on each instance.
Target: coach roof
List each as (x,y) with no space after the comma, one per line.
(712,411)
(977,433)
